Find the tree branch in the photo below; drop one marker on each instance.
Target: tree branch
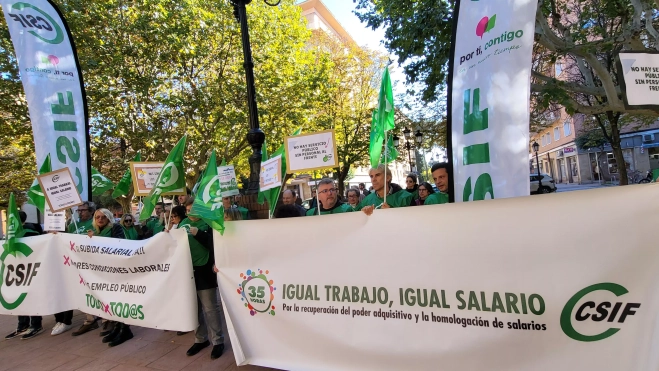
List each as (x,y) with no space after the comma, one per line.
(571,86)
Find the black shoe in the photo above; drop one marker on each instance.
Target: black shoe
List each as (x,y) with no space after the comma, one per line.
(85,328)
(31,332)
(197,347)
(18,332)
(181,333)
(112,334)
(124,335)
(107,328)
(217,351)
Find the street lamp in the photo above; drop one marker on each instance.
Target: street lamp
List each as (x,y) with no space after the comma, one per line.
(407,134)
(536,147)
(255,137)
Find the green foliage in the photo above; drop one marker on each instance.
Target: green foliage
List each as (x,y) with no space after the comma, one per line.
(419,34)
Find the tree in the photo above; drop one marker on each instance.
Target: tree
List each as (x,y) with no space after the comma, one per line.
(349,97)
(583,36)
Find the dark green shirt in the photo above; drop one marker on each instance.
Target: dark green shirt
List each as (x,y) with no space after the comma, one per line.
(198,252)
(83,227)
(337,209)
(436,199)
(401,198)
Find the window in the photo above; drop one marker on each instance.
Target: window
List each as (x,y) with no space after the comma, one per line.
(548,138)
(559,68)
(567,128)
(557,134)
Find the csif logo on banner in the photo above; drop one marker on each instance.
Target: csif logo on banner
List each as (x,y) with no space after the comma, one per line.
(596,311)
(37,23)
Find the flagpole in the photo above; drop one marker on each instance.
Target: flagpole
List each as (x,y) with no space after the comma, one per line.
(74,220)
(386,147)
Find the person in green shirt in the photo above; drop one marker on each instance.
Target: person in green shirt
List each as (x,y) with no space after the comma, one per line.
(412,186)
(353,198)
(228,203)
(153,221)
(381,180)
(85,212)
(440,176)
(328,199)
(131,232)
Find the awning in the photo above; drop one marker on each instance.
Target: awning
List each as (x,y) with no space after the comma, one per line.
(650,145)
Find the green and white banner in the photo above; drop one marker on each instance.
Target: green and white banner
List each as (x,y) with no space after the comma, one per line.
(120,280)
(480,286)
(491,74)
(53,86)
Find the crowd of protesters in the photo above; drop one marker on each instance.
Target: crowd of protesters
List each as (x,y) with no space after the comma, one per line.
(94,222)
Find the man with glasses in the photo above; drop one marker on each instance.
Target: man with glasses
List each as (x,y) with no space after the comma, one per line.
(85,213)
(328,199)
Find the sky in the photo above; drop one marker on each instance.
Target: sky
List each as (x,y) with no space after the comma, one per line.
(365,36)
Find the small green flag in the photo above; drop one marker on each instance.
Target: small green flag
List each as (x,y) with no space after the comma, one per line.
(100,183)
(271,195)
(123,187)
(208,202)
(171,178)
(377,138)
(35,194)
(386,104)
(14,228)
(391,152)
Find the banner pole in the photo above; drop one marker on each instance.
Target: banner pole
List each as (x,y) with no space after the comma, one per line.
(385,170)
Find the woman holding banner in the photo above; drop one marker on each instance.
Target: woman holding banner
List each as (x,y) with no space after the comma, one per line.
(114,333)
(130,231)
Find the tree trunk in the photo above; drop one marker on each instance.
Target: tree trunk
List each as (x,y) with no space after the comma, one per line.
(617,148)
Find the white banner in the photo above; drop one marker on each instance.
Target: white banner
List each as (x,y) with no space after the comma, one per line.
(53,86)
(490,99)
(121,280)
(640,72)
(471,291)
(271,175)
(228,184)
(54,221)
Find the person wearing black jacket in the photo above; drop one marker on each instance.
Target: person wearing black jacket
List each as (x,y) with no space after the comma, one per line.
(28,326)
(200,237)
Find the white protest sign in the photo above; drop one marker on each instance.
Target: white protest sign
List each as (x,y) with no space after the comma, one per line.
(60,189)
(270,173)
(54,221)
(312,151)
(228,183)
(116,279)
(145,176)
(640,73)
(483,293)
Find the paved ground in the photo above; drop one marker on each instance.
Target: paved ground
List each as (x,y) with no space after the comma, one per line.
(578,187)
(148,350)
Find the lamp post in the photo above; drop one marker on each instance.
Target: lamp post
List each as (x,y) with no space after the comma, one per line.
(409,146)
(536,147)
(255,137)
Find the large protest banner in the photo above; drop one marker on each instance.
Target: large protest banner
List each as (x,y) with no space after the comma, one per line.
(121,280)
(479,286)
(489,99)
(53,85)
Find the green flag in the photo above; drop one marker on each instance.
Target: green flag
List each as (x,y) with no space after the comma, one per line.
(391,151)
(271,195)
(100,183)
(171,178)
(377,138)
(14,228)
(123,187)
(35,194)
(208,202)
(386,104)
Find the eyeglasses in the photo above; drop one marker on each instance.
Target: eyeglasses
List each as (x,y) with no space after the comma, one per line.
(100,217)
(423,189)
(331,190)
(128,220)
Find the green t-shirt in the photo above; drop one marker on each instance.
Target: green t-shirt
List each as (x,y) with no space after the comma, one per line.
(198,252)
(131,233)
(340,209)
(83,227)
(151,223)
(401,198)
(436,199)
(244,212)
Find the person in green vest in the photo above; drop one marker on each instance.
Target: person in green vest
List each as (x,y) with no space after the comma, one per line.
(381,180)
(425,191)
(412,186)
(85,212)
(131,232)
(440,176)
(153,221)
(353,196)
(229,203)
(200,239)
(328,199)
